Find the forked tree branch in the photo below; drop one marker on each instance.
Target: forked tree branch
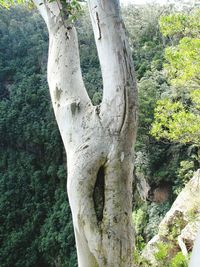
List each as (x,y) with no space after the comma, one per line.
(64,72)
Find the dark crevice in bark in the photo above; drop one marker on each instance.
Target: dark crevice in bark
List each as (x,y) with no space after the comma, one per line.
(129,77)
(125,110)
(98,194)
(98,24)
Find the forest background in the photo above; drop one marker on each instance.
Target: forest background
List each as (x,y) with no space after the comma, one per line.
(35,218)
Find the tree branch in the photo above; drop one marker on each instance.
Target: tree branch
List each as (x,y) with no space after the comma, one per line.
(119,94)
(65,80)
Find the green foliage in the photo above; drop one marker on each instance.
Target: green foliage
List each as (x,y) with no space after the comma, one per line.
(157,161)
(179,260)
(57,239)
(150,88)
(174,122)
(195,98)
(163,257)
(181,24)
(173,24)
(176,225)
(177,116)
(145,38)
(8,3)
(71,10)
(32,166)
(162,254)
(183,67)
(186,170)
(184,173)
(139,219)
(155,213)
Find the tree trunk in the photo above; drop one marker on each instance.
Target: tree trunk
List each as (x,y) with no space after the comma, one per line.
(98,139)
(99,188)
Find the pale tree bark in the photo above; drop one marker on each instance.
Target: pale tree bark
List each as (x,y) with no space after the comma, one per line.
(98,140)
(195,259)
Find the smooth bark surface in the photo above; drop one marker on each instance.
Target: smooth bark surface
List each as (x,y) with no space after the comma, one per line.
(98,139)
(195,259)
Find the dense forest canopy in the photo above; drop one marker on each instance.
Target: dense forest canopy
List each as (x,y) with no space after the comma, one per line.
(35,218)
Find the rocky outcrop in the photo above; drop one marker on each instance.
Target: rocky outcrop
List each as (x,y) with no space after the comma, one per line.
(142,187)
(181,223)
(160,193)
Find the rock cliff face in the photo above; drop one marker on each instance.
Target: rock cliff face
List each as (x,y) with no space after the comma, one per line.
(179,227)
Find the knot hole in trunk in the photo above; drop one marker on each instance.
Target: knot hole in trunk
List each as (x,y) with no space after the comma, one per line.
(98,194)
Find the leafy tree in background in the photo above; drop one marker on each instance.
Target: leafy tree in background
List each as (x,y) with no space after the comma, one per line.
(178,118)
(32,165)
(174,122)
(147,43)
(183,65)
(145,37)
